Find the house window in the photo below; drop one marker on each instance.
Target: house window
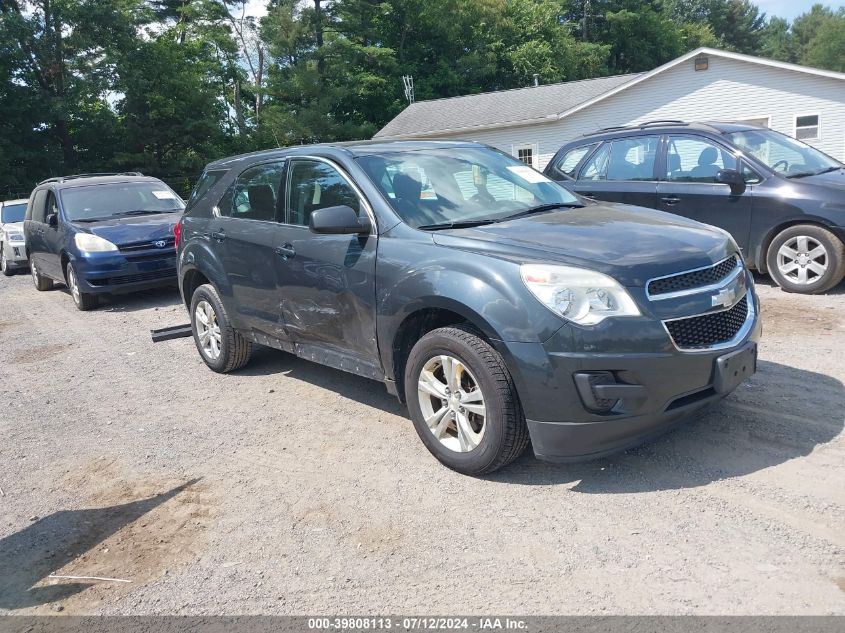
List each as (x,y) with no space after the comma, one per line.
(526,153)
(807,127)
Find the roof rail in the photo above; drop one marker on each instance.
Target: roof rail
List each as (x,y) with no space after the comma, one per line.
(638,126)
(92,175)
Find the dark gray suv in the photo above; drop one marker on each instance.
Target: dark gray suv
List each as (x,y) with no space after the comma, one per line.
(495,303)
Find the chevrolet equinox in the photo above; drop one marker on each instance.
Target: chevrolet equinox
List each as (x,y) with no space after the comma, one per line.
(495,303)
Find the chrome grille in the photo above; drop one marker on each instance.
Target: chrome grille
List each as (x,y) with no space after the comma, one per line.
(694,278)
(170,242)
(707,330)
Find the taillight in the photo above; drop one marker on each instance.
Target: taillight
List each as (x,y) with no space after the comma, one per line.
(177,233)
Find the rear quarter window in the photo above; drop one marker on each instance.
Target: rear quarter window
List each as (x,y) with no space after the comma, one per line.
(568,163)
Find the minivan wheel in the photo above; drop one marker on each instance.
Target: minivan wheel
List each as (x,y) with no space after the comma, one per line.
(221,347)
(806,258)
(84,301)
(41,282)
(463,401)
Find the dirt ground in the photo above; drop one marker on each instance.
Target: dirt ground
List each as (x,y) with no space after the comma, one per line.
(292,488)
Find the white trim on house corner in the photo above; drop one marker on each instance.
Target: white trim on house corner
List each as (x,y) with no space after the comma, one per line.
(818,126)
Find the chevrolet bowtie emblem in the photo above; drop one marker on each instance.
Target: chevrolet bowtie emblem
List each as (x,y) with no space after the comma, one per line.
(724,298)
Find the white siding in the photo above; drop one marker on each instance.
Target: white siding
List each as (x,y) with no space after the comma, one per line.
(728,90)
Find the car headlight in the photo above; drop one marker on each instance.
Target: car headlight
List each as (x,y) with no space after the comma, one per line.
(579,295)
(91,243)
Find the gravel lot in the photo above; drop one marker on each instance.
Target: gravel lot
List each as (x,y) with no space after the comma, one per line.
(292,488)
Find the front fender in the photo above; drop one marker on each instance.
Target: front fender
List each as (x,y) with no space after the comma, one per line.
(485,291)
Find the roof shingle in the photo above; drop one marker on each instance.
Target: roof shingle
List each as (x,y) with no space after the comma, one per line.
(440,116)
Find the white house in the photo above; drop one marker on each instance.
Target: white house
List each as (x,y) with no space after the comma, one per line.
(703,85)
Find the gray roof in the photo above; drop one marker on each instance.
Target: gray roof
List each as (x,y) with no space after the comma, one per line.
(493,109)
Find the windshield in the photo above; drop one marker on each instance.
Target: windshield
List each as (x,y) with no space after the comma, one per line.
(13,213)
(98,202)
(460,185)
(782,154)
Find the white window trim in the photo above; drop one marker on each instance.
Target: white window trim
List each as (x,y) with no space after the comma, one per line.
(818,135)
(535,152)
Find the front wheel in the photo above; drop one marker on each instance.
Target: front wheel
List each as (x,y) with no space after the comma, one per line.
(84,301)
(807,259)
(41,283)
(463,401)
(4,265)
(223,348)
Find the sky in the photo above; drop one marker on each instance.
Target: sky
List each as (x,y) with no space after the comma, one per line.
(789,9)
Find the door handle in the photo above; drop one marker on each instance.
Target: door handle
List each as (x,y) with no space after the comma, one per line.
(285,251)
(218,235)
(671,199)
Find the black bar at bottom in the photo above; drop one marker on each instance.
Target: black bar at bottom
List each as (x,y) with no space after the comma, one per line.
(172,332)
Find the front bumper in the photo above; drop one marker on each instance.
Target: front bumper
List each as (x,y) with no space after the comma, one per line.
(666,385)
(100,273)
(15,254)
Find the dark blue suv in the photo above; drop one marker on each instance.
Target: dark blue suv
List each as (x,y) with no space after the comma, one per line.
(102,233)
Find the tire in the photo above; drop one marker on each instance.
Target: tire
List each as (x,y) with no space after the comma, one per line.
(7,270)
(83,301)
(41,283)
(486,444)
(234,350)
(791,263)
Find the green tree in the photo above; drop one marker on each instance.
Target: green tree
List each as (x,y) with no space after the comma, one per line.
(827,48)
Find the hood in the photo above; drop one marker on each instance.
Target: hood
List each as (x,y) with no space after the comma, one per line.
(631,244)
(128,230)
(13,226)
(830,180)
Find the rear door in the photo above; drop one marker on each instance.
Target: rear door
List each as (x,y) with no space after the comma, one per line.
(327,282)
(689,186)
(621,170)
(245,232)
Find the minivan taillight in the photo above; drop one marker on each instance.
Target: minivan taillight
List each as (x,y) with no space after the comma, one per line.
(177,232)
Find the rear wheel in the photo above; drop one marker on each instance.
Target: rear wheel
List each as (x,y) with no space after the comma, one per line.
(83,300)
(222,347)
(463,401)
(806,258)
(40,282)
(7,270)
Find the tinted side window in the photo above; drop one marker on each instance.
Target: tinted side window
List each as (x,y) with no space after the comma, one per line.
(632,158)
(38,205)
(206,182)
(254,194)
(316,185)
(693,159)
(569,161)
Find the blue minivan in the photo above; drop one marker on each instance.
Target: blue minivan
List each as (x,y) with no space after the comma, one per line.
(102,233)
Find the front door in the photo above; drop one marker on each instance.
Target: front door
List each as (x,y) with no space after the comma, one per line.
(327,282)
(51,256)
(34,228)
(621,170)
(246,232)
(689,186)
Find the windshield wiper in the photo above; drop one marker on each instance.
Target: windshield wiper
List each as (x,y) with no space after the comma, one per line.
(146,212)
(458,224)
(542,208)
(801,174)
(827,170)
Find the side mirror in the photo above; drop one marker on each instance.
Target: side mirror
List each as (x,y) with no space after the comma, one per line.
(53,219)
(733,179)
(340,220)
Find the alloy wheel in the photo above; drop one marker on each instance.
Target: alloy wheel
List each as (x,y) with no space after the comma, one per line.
(452,403)
(208,330)
(802,260)
(73,285)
